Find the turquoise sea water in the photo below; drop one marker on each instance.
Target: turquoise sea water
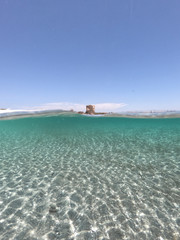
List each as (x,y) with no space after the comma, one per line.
(77,177)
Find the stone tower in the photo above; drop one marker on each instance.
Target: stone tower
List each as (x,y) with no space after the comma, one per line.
(90,109)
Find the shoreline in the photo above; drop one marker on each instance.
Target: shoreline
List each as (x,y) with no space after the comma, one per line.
(30,113)
(15,114)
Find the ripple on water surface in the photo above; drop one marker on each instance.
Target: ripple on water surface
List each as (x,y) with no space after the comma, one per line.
(79,178)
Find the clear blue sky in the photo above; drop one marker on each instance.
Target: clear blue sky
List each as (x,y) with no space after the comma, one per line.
(93,51)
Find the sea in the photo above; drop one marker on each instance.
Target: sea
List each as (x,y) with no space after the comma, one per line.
(74,177)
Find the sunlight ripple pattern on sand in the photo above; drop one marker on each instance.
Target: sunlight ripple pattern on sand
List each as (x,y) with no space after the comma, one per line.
(89,178)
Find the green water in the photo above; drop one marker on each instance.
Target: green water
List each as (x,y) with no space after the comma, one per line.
(77,177)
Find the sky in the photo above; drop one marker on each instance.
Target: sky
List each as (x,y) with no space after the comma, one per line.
(123,55)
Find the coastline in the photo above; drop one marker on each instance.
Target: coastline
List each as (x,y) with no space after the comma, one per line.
(14,114)
(149,116)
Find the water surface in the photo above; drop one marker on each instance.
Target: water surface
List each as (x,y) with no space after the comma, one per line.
(76,177)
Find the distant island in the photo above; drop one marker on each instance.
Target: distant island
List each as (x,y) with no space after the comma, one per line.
(90,110)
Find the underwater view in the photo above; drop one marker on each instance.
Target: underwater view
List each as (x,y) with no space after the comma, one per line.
(76,177)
